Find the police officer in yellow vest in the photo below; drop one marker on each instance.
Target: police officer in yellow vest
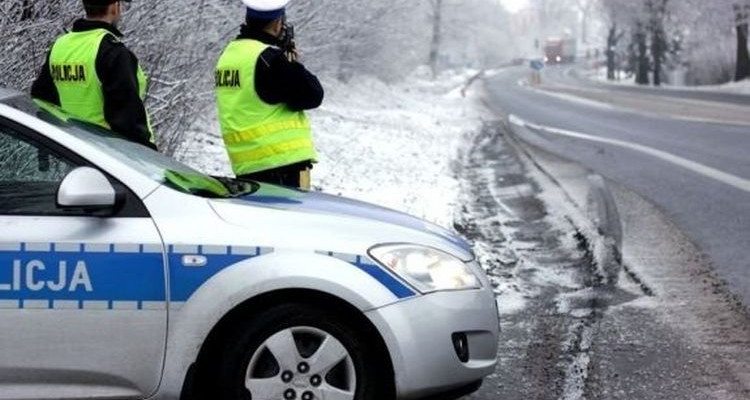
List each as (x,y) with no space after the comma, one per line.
(92,77)
(262,92)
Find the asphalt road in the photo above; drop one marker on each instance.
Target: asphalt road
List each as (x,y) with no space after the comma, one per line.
(696,173)
(580,320)
(573,76)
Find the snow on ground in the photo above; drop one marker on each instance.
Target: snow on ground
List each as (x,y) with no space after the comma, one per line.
(742,87)
(600,75)
(399,145)
(388,144)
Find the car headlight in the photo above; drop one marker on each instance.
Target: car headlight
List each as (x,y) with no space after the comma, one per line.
(428,270)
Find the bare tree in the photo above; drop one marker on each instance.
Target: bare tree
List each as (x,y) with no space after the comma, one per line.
(642,62)
(707,38)
(437,26)
(623,18)
(657,11)
(613,39)
(178,43)
(742,12)
(585,7)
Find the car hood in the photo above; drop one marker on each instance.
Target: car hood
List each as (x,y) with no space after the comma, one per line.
(316,203)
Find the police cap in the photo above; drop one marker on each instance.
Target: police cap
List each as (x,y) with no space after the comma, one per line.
(265,9)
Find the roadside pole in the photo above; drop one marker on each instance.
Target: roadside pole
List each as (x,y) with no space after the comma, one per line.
(536,71)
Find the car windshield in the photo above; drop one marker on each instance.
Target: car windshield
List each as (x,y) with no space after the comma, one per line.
(150,163)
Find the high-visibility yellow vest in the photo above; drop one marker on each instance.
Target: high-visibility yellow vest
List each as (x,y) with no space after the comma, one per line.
(73,67)
(258,136)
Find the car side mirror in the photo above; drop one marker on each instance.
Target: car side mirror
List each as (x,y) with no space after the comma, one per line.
(88,189)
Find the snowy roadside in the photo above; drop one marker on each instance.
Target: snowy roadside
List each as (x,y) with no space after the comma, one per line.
(600,75)
(391,145)
(413,147)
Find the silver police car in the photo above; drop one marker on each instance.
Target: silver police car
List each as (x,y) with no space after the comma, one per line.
(125,274)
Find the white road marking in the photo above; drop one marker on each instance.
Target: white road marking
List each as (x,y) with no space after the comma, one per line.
(572,98)
(710,172)
(606,106)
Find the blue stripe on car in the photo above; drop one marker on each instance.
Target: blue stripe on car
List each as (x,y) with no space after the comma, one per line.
(38,273)
(43,275)
(395,286)
(186,280)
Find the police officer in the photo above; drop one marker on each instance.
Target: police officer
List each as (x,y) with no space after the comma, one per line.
(93,77)
(262,92)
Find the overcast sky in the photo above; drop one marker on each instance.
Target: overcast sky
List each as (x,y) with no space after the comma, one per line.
(514,5)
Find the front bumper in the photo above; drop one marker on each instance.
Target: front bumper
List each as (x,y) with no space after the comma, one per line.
(419,335)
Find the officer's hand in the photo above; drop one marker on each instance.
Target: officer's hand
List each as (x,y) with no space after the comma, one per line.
(293,55)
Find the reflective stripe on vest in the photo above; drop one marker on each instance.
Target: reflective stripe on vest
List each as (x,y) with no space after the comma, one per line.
(73,70)
(258,136)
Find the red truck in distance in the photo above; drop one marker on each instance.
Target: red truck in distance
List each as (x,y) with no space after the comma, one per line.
(559,50)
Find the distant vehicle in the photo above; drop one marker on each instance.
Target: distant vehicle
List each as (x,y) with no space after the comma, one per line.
(560,50)
(125,274)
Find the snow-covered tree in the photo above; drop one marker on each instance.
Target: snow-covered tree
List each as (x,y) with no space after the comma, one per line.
(586,8)
(178,43)
(707,38)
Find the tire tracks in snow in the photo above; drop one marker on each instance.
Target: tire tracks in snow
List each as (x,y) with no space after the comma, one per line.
(550,286)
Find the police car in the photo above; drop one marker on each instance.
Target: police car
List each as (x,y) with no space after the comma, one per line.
(125,274)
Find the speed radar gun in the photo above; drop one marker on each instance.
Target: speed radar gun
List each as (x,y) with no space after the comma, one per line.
(270,10)
(287,40)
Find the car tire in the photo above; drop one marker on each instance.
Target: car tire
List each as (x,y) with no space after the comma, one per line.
(284,353)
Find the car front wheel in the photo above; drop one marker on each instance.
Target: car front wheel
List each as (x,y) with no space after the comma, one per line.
(298,352)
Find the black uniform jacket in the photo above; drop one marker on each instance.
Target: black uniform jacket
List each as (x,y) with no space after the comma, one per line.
(116,67)
(278,80)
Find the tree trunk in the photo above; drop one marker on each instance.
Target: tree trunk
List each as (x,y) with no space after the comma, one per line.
(641,74)
(743,58)
(657,51)
(657,10)
(611,43)
(437,21)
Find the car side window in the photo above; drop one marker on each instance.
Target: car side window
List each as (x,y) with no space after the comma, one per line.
(30,174)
